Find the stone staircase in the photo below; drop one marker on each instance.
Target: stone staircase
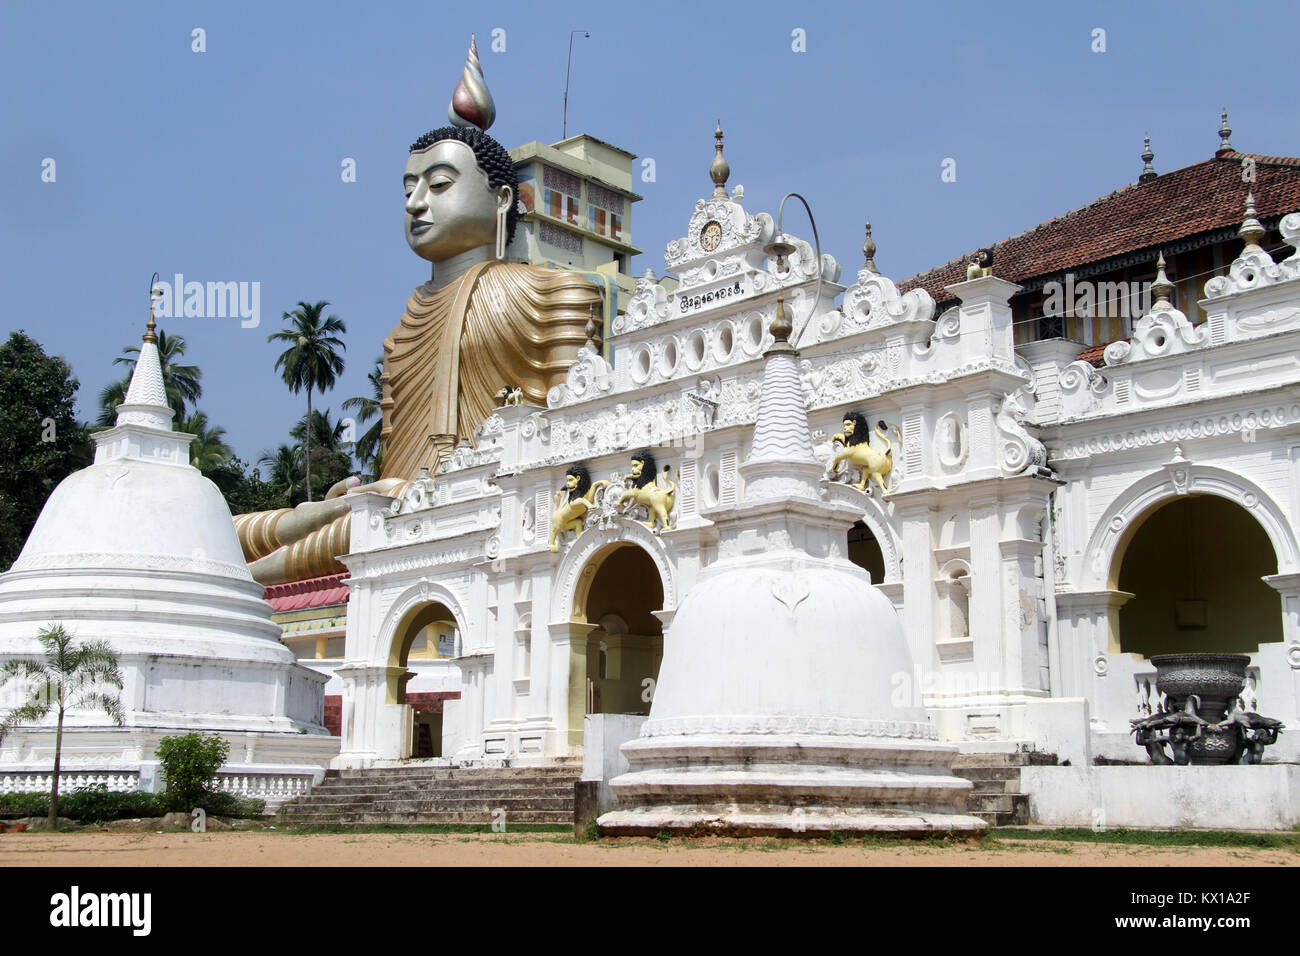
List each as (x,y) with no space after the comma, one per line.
(438,795)
(997,797)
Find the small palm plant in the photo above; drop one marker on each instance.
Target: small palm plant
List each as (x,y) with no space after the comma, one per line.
(71,677)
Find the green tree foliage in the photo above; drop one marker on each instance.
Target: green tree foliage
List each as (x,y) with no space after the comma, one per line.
(189,764)
(331,456)
(244,489)
(71,676)
(41,442)
(312,359)
(284,474)
(209,451)
(369,446)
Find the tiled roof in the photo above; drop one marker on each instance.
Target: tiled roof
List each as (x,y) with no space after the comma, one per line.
(303,595)
(1204,197)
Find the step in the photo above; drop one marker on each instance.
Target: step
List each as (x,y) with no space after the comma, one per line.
(562,818)
(488,783)
(400,805)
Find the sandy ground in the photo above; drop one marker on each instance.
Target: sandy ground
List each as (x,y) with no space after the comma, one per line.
(543,849)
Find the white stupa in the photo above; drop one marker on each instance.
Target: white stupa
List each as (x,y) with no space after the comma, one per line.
(139,550)
(776,708)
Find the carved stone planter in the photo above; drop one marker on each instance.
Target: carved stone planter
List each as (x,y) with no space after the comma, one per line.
(1202,722)
(1211,683)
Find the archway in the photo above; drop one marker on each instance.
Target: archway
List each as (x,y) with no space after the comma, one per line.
(865,551)
(620,591)
(1194,566)
(427,632)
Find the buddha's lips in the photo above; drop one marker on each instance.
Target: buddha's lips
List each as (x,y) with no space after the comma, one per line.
(420,225)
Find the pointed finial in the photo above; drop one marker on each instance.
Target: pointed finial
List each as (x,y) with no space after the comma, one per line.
(1225,131)
(1148,171)
(1161,288)
(154,293)
(719,169)
(869,252)
(1251,230)
(471,103)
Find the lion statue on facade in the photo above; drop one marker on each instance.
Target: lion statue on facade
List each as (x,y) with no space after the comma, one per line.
(572,502)
(646,491)
(856,448)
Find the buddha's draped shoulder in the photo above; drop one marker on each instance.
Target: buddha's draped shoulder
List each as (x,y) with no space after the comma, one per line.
(455,347)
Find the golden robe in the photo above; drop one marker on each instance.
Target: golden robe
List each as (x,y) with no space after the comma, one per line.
(501,323)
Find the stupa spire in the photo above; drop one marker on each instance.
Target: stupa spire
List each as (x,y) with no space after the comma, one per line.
(781,462)
(146,397)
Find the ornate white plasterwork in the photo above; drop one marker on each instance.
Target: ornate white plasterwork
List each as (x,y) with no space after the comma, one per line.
(589,377)
(420,593)
(738,229)
(1019,450)
(873,302)
(1081,388)
(1182,477)
(593,540)
(1255,270)
(1162,331)
(817,726)
(1208,426)
(170,563)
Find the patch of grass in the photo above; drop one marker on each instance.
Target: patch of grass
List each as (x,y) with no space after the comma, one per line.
(1282,840)
(423,828)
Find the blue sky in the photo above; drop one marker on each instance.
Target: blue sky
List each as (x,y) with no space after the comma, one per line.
(225,165)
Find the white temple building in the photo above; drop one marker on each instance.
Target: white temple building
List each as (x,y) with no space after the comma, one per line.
(138,550)
(1021,478)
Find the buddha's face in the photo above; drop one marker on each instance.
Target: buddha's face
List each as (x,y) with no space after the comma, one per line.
(849,426)
(637,466)
(450,208)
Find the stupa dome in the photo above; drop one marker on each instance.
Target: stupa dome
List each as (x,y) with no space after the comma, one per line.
(139,549)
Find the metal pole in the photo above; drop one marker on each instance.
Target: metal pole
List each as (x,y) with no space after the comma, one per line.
(567,69)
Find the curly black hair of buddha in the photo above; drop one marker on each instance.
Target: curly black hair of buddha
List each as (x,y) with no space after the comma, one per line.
(647,469)
(584,480)
(861,430)
(491,157)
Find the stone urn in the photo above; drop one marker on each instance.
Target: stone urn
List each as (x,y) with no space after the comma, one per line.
(1204,685)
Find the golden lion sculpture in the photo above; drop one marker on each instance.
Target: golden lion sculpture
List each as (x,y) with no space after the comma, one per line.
(645,491)
(572,502)
(857,449)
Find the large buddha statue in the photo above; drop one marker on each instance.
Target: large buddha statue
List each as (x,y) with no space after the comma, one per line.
(478,324)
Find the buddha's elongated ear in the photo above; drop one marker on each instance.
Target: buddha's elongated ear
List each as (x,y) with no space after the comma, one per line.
(505,199)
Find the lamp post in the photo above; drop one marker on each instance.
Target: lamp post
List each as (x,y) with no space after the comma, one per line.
(780,247)
(567,69)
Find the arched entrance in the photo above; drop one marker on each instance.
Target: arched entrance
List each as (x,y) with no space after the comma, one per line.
(618,592)
(428,632)
(1194,566)
(865,551)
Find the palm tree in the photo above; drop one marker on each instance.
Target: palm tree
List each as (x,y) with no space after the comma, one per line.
(209,450)
(326,433)
(69,678)
(368,448)
(282,469)
(312,359)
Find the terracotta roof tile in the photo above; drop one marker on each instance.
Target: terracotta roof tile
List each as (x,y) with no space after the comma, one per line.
(1203,197)
(303,595)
